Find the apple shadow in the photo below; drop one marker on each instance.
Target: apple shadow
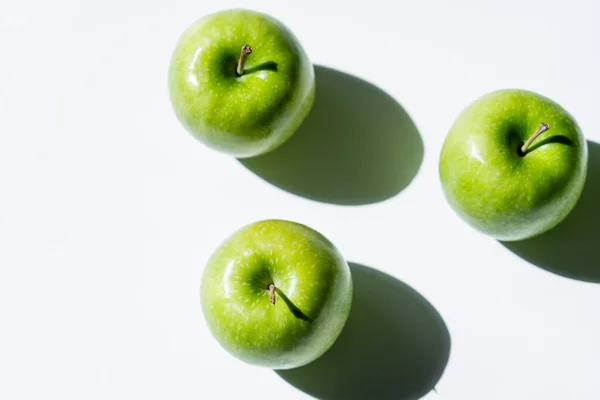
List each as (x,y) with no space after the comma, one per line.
(571,249)
(395,345)
(356,146)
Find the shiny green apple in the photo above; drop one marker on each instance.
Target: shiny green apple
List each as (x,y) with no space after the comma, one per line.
(513,164)
(240,82)
(276,294)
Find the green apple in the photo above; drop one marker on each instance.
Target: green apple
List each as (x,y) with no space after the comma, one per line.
(276,294)
(240,82)
(513,164)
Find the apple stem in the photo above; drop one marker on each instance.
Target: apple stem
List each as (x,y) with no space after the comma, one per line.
(541,129)
(246,50)
(272,294)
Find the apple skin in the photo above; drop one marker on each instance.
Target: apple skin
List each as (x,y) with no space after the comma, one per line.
(245,115)
(304,266)
(495,188)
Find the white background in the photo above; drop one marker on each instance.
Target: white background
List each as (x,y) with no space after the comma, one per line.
(109,209)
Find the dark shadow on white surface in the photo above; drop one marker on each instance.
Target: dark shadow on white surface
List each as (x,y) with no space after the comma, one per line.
(572,249)
(395,345)
(356,146)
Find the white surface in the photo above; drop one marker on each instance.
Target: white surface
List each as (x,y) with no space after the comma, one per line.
(109,209)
